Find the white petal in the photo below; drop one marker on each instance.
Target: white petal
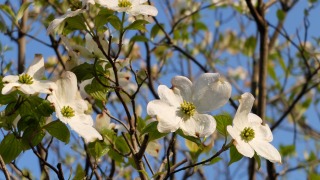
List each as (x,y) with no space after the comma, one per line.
(263,132)
(242,147)
(44,86)
(143,10)
(36,69)
(184,85)
(67,87)
(27,89)
(241,118)
(10,79)
(108,3)
(200,125)
(210,92)
(8,88)
(168,96)
(165,114)
(266,150)
(81,124)
(56,22)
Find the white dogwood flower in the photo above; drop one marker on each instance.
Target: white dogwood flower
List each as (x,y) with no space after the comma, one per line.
(132,7)
(249,134)
(29,82)
(184,106)
(70,107)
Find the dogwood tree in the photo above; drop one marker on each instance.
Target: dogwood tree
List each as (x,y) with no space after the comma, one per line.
(137,89)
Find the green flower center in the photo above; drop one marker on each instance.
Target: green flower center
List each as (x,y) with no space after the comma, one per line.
(124,3)
(247,134)
(188,108)
(67,111)
(25,79)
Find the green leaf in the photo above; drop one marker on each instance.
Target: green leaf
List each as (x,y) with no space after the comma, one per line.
(58,130)
(155,30)
(96,90)
(102,17)
(152,130)
(10,148)
(22,9)
(139,38)
(190,138)
(122,145)
(234,155)
(258,160)
(287,150)
(32,136)
(249,46)
(8,10)
(80,174)
(83,71)
(6,99)
(280,15)
(115,155)
(74,23)
(3,27)
(223,121)
(98,149)
(214,160)
(137,25)
(114,21)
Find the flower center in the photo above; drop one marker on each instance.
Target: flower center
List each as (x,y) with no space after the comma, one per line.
(124,3)
(67,111)
(25,79)
(247,134)
(188,108)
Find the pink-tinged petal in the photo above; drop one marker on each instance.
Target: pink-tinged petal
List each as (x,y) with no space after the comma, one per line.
(200,125)
(241,118)
(184,85)
(36,69)
(168,96)
(266,150)
(263,132)
(8,88)
(143,10)
(210,92)
(56,22)
(165,114)
(81,124)
(10,79)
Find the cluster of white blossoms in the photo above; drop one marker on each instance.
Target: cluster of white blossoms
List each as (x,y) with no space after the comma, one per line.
(63,94)
(131,7)
(185,104)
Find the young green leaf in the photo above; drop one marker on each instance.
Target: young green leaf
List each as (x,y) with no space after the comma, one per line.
(98,149)
(22,9)
(234,155)
(153,132)
(137,25)
(222,122)
(258,160)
